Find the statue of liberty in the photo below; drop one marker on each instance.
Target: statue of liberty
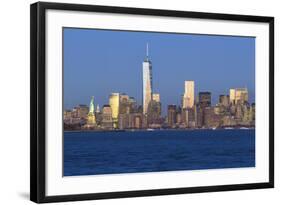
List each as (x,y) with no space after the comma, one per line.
(91,115)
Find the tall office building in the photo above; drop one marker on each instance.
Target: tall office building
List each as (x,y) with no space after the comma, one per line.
(224,100)
(153,112)
(232,95)
(147,82)
(172,111)
(238,95)
(107,120)
(188,96)
(98,115)
(114,100)
(124,104)
(204,99)
(124,97)
(156,97)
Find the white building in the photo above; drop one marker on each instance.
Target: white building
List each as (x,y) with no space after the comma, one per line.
(156,97)
(188,96)
(147,82)
(238,95)
(114,101)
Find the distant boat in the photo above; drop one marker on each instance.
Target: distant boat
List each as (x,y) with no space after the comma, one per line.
(214,128)
(149,129)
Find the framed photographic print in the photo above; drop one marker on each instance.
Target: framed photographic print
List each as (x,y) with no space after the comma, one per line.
(129,102)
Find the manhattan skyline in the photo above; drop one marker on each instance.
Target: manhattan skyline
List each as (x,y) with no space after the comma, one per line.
(100,62)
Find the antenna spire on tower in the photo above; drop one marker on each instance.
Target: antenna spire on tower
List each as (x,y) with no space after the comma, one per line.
(147,51)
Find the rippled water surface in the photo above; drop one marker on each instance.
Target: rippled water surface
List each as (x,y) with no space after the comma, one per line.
(90,153)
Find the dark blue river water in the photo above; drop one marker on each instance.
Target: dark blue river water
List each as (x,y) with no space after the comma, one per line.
(89,153)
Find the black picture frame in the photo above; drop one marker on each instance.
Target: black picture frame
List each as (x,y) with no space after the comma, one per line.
(37,101)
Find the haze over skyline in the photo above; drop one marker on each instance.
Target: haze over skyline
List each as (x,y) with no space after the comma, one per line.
(100,62)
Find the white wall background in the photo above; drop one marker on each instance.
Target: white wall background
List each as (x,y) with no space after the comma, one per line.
(14,100)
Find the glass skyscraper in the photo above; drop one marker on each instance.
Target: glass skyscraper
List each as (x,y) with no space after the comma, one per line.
(188,96)
(114,99)
(147,82)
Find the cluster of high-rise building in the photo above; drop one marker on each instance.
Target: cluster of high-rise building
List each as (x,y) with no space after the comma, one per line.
(233,110)
(122,111)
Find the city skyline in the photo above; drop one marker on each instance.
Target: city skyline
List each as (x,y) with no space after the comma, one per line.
(83,89)
(114,100)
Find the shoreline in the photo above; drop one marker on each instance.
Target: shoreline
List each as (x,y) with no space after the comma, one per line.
(153,130)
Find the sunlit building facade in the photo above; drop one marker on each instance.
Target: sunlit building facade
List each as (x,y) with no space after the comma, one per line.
(188,96)
(107,122)
(147,82)
(156,97)
(238,95)
(224,100)
(114,100)
(232,95)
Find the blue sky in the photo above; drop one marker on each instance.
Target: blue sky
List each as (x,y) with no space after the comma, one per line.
(99,62)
